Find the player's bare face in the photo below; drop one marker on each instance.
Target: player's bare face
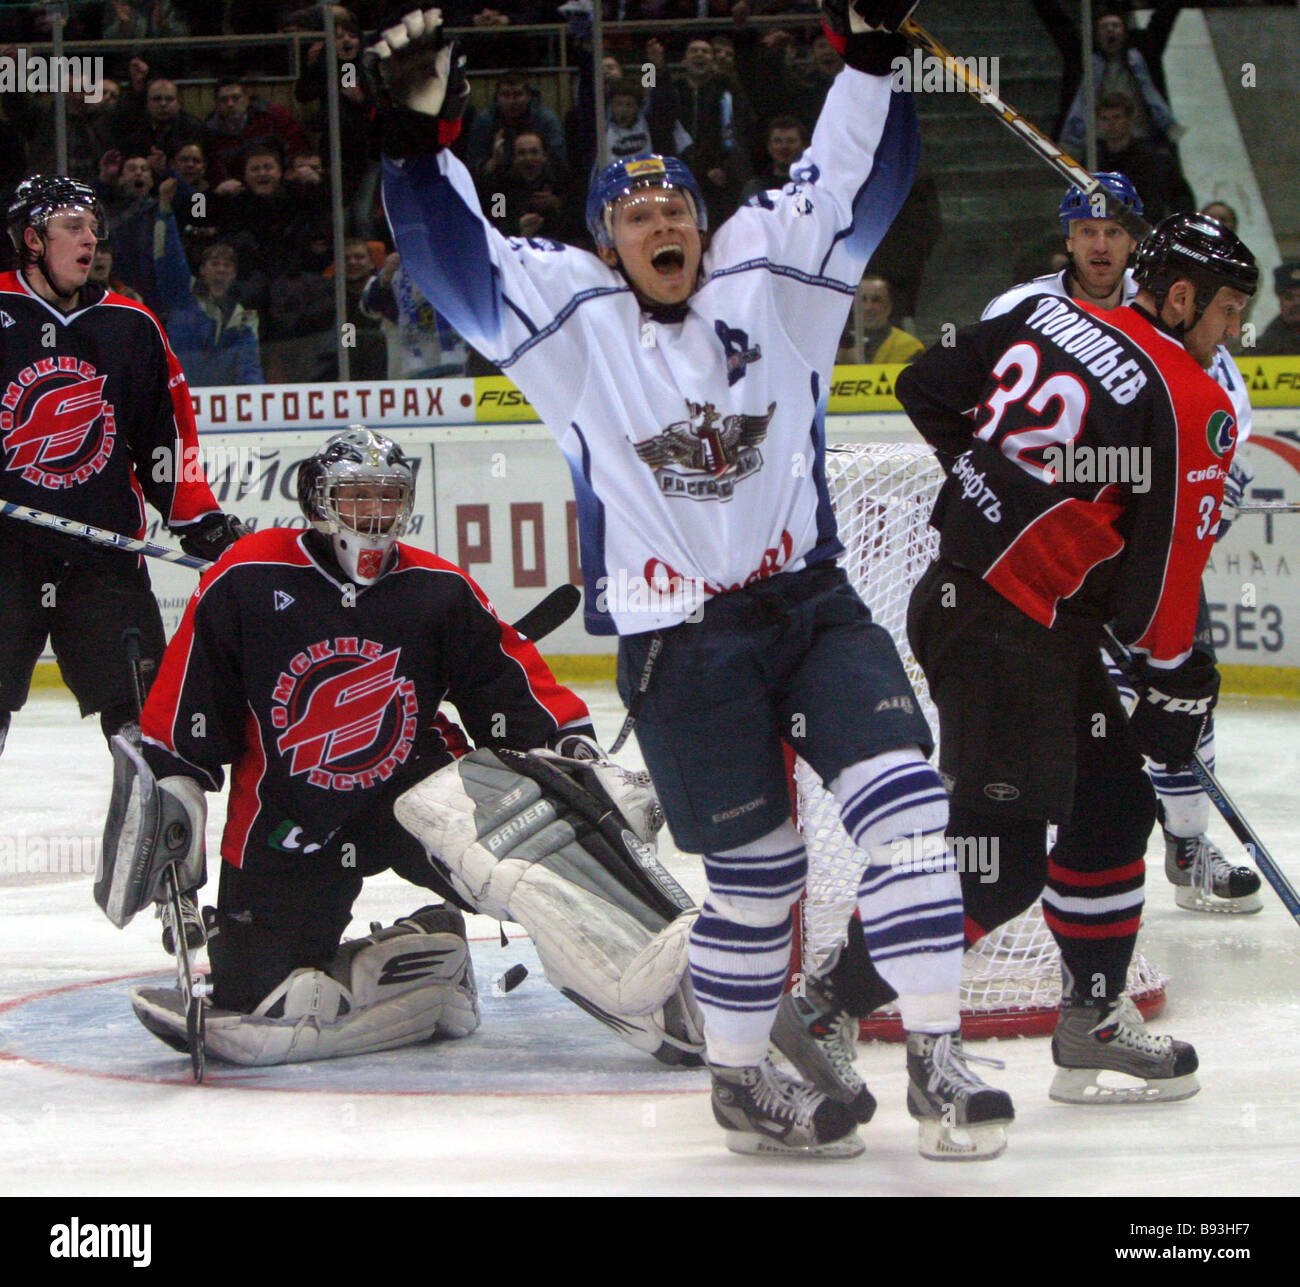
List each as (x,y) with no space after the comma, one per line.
(69,248)
(658,243)
(1100,250)
(1220,323)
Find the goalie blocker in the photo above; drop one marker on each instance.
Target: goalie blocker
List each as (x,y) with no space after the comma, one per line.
(565,848)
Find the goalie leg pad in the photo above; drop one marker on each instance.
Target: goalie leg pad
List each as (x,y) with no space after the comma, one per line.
(152,825)
(396,987)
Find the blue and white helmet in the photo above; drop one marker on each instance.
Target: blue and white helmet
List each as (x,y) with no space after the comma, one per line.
(1077,204)
(643,171)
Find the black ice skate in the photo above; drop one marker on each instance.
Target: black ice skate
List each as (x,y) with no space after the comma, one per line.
(1205,881)
(959,1117)
(820,1040)
(762,1111)
(195,937)
(1111,1037)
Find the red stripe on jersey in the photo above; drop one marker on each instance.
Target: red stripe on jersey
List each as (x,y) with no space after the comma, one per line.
(1072,929)
(1111,876)
(1049,560)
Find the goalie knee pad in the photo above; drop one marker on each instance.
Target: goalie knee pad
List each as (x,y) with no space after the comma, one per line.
(538,839)
(396,987)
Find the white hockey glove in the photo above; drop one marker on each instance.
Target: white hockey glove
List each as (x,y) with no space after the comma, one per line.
(1240,473)
(421,70)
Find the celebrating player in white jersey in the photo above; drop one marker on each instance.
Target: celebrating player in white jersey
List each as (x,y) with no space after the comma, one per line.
(1098,273)
(685,378)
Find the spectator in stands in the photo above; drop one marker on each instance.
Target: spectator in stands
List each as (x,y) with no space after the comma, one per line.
(870,336)
(786,141)
(125,187)
(907,246)
(369,347)
(515,107)
(421,342)
(529,198)
(91,129)
(718,153)
(1223,212)
(146,20)
(1154,172)
(238,119)
(160,124)
(1281,336)
(101,272)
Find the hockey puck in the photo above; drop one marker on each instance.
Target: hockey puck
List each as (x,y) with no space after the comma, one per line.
(511,979)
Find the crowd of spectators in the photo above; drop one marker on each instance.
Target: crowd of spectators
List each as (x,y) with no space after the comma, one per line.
(209,158)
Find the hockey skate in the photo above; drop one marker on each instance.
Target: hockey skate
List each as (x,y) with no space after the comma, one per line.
(1205,881)
(960,1119)
(195,935)
(1107,1037)
(764,1112)
(820,1040)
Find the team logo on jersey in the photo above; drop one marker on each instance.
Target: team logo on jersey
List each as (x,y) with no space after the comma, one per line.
(736,346)
(703,458)
(348,719)
(1221,433)
(55,427)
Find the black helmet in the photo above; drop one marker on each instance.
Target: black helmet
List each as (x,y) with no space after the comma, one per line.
(1195,248)
(43,195)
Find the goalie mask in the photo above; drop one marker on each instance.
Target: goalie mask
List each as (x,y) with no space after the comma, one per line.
(359,490)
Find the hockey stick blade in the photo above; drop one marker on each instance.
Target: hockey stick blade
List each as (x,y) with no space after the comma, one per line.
(1106,204)
(1219,798)
(551,613)
(100,536)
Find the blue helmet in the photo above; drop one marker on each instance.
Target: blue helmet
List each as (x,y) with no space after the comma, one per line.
(643,171)
(1076,204)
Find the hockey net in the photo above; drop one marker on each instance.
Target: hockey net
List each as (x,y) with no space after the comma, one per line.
(1011,981)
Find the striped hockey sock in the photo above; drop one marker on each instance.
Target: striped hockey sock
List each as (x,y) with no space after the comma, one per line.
(1094,917)
(740,945)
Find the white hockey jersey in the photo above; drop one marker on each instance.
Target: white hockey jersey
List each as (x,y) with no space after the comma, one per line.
(1223,368)
(696,446)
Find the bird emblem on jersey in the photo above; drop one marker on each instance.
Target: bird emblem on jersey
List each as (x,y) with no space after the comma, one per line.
(723,449)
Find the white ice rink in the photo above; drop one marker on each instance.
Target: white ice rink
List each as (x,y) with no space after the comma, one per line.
(541,1100)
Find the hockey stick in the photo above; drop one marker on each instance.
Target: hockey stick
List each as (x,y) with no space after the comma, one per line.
(100,535)
(1105,204)
(191,985)
(550,614)
(1210,785)
(1270,507)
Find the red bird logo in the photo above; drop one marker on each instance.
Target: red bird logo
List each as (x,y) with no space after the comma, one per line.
(57,423)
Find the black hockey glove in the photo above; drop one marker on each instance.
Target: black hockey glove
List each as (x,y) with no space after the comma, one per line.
(419,77)
(865,32)
(1173,707)
(211,536)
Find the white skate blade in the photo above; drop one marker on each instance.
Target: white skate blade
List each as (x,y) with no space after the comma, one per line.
(753,1145)
(1082,1086)
(1195,900)
(940,1143)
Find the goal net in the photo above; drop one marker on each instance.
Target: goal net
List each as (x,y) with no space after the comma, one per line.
(1011,981)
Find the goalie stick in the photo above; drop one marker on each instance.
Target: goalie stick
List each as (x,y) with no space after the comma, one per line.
(191,985)
(1105,204)
(1210,785)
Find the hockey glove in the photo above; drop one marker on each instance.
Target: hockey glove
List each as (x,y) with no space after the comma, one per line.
(1171,711)
(1239,474)
(865,32)
(211,536)
(420,77)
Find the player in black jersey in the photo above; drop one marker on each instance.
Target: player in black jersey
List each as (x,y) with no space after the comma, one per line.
(1083,490)
(95,418)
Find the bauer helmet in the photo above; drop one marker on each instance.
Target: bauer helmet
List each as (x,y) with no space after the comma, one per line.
(359,490)
(1195,248)
(1077,204)
(629,174)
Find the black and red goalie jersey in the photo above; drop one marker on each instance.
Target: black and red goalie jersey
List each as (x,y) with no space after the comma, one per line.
(1086,454)
(95,413)
(322,695)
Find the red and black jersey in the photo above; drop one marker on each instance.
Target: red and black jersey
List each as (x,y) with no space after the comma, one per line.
(1086,454)
(95,413)
(321,694)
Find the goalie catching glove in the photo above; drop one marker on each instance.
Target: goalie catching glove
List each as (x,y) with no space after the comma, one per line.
(865,32)
(565,848)
(420,77)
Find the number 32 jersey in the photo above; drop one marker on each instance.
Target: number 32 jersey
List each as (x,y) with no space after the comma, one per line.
(1086,454)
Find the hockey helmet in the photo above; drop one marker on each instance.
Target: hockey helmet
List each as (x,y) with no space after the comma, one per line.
(1195,248)
(43,195)
(627,175)
(359,490)
(1077,204)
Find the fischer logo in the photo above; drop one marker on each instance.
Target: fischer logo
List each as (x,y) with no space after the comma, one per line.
(502,398)
(349,718)
(55,426)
